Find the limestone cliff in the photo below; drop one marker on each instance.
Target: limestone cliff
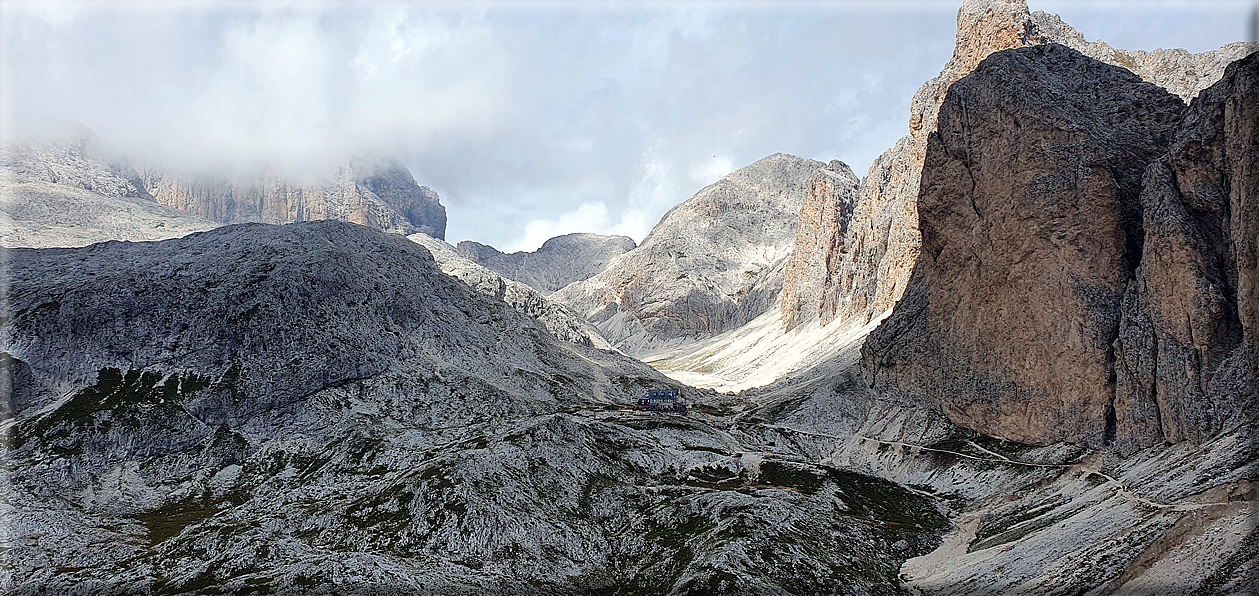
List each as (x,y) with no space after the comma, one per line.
(820,235)
(1031,229)
(380,195)
(558,262)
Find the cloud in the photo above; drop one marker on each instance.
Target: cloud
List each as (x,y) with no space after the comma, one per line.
(529,119)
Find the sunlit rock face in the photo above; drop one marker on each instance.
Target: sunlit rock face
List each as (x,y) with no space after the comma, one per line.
(713,263)
(560,261)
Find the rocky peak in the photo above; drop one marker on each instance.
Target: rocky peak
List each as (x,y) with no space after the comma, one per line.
(558,262)
(713,263)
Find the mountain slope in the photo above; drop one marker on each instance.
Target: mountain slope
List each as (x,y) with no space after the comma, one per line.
(712,264)
(560,261)
(282,408)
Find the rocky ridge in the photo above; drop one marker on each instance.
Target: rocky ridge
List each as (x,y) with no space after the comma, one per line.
(870,266)
(381,195)
(560,261)
(561,322)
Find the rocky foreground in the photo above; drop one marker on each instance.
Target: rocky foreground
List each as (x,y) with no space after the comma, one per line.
(332,413)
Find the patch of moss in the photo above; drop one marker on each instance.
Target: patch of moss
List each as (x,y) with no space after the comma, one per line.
(171,519)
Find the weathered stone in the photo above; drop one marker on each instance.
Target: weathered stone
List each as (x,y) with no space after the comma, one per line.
(883,239)
(1030,218)
(382,196)
(558,262)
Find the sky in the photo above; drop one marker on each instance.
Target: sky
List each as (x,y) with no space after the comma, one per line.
(530,119)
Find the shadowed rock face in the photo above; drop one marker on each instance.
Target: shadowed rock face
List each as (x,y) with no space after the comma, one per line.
(1186,355)
(558,262)
(1031,226)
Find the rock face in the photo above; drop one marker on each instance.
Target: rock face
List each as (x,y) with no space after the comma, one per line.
(267,408)
(713,263)
(883,241)
(560,321)
(1031,224)
(560,261)
(1186,359)
(821,231)
(382,196)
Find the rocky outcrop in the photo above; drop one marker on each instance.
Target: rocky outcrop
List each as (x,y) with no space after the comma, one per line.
(560,321)
(1188,350)
(713,263)
(883,240)
(1031,224)
(558,262)
(382,196)
(820,235)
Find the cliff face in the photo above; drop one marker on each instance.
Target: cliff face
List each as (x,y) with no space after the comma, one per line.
(1030,219)
(1186,355)
(381,196)
(558,262)
(883,240)
(713,263)
(820,234)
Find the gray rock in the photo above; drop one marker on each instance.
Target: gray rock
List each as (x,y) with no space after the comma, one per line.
(316,408)
(558,262)
(560,321)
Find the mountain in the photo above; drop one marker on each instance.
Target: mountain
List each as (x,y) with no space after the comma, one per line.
(713,263)
(852,258)
(561,322)
(560,261)
(868,268)
(382,194)
(331,411)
